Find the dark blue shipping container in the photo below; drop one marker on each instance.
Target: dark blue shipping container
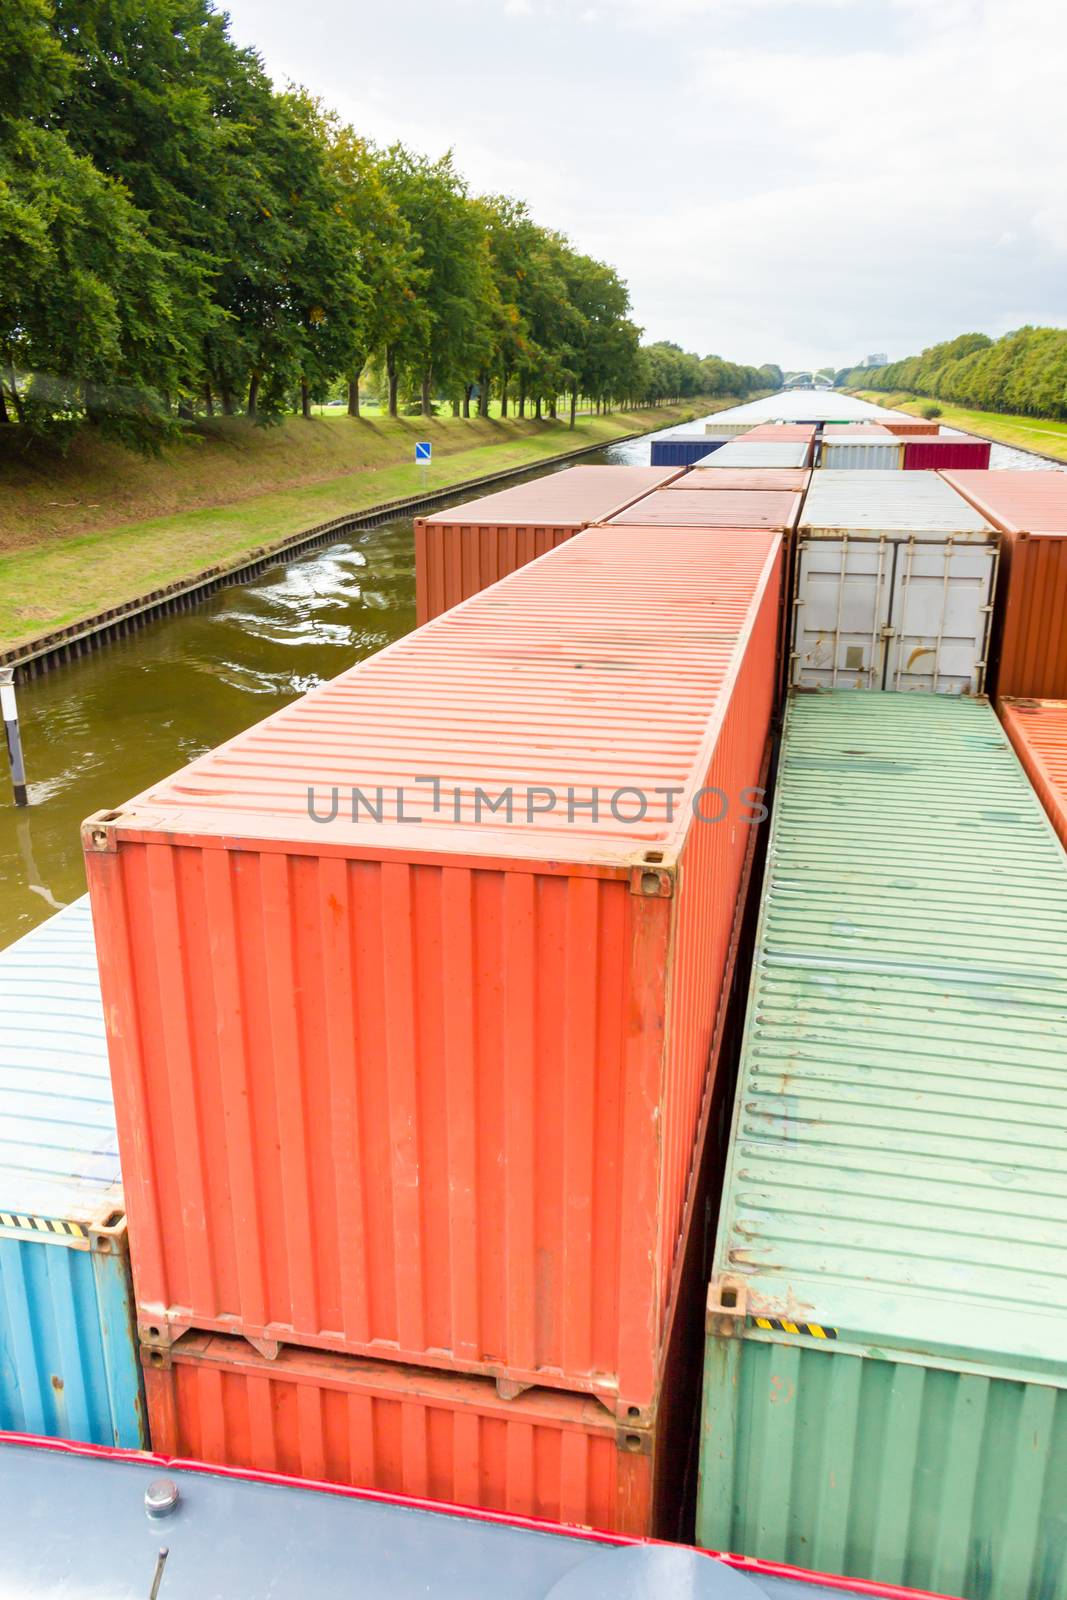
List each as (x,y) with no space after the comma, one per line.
(684,449)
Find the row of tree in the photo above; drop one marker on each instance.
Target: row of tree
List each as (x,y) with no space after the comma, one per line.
(177,238)
(1024,372)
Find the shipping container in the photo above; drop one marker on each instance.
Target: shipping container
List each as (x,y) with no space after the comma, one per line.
(1029,649)
(856,430)
(701,508)
(1038,730)
(759,453)
(790,480)
(893,589)
(841,453)
(806,406)
(68,1356)
(781,433)
(684,449)
(426,1084)
(885,1390)
(945,453)
(911,426)
(232,1535)
(463,550)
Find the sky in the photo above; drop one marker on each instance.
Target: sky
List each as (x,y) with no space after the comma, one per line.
(799,181)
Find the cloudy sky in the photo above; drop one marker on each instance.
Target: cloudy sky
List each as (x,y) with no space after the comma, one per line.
(802,181)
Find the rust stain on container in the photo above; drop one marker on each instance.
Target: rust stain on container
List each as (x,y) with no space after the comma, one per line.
(402,1430)
(428,1087)
(1030,640)
(1038,730)
(463,550)
(789,480)
(713,508)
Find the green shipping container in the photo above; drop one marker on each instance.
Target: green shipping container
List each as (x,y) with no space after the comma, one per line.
(885,1390)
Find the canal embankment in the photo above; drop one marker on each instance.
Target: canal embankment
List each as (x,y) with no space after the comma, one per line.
(1041,436)
(79,555)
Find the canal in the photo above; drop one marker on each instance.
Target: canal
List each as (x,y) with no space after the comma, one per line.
(101,729)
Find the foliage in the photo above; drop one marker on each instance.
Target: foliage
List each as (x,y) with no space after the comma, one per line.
(178,236)
(930,411)
(1023,373)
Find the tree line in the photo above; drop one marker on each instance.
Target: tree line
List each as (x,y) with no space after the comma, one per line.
(179,239)
(1024,372)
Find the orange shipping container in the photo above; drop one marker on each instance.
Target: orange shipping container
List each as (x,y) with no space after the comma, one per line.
(426,1085)
(1030,638)
(790,480)
(463,550)
(713,508)
(1038,730)
(911,427)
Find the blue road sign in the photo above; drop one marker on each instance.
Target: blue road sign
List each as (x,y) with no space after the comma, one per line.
(424,451)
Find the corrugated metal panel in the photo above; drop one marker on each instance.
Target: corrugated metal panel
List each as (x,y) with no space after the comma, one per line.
(788,480)
(914,504)
(760,453)
(781,433)
(463,550)
(726,508)
(405,1430)
(68,1363)
(942,1479)
(911,426)
(479,1046)
(895,1190)
(1030,643)
(683,451)
(865,455)
(925,455)
(1038,730)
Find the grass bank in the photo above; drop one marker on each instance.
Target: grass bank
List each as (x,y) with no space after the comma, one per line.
(99,528)
(1047,437)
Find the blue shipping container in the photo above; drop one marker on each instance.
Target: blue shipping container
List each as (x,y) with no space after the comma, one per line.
(684,449)
(69,1366)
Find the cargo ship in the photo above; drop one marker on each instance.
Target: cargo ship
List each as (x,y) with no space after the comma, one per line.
(584,1087)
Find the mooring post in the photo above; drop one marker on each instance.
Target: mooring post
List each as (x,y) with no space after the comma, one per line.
(10,711)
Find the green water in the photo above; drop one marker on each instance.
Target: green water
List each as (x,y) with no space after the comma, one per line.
(99,730)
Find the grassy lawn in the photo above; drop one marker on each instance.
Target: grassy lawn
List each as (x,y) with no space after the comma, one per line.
(1026,433)
(56,570)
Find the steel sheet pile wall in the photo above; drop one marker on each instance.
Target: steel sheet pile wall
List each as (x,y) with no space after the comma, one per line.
(428,1088)
(894,583)
(684,449)
(463,550)
(68,1356)
(1030,646)
(728,508)
(1038,730)
(886,1368)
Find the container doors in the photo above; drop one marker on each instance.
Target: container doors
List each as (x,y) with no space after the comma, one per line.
(940,616)
(841,613)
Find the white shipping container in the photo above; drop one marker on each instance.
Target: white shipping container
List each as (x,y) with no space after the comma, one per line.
(760,453)
(868,455)
(894,582)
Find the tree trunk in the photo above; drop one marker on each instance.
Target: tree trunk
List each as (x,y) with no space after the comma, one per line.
(574,407)
(504,396)
(522,397)
(393,377)
(467,387)
(305,400)
(185,410)
(13,385)
(4,418)
(483,394)
(455,406)
(427,406)
(353,396)
(229,406)
(209,401)
(553,407)
(537,409)
(253,395)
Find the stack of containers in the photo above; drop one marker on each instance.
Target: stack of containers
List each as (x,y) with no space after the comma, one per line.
(69,1365)
(744,452)
(867,447)
(461,551)
(413,995)
(885,1388)
(893,589)
(1030,509)
(683,506)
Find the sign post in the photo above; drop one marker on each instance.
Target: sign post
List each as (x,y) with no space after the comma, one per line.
(423,458)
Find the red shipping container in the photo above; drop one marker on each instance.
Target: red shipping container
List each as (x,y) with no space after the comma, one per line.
(944,454)
(1038,730)
(463,550)
(713,508)
(789,480)
(1029,651)
(429,1087)
(402,1430)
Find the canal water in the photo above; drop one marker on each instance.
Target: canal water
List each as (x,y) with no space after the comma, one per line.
(101,729)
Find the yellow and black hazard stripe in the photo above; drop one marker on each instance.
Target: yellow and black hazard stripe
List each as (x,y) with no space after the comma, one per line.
(813,1330)
(56,1227)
